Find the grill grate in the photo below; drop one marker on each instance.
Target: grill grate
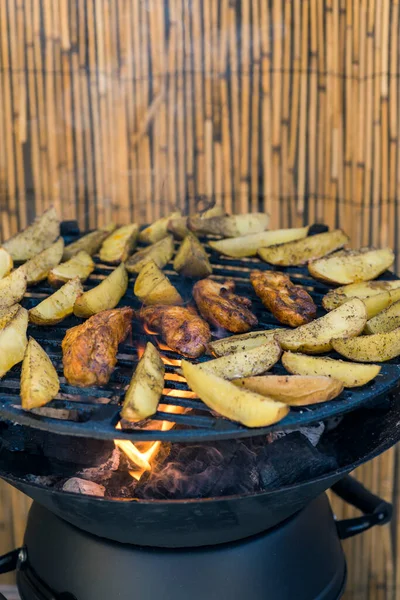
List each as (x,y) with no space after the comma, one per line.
(94,412)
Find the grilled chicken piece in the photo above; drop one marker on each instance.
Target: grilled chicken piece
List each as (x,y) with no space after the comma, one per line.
(182,328)
(220,306)
(90,349)
(290,303)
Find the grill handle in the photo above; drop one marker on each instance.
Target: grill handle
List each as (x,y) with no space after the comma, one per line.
(9,562)
(376,510)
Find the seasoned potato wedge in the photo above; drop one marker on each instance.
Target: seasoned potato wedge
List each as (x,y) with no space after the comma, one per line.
(214,211)
(153,287)
(118,246)
(245,363)
(378,303)
(157,230)
(146,386)
(58,306)
(294,390)
(377,347)
(247,245)
(39,379)
(35,238)
(81,265)
(13,326)
(368,289)
(314,338)
(191,260)
(230,226)
(350,374)
(178,227)
(237,404)
(302,251)
(161,252)
(385,321)
(6,263)
(12,288)
(351,266)
(90,242)
(104,296)
(244,341)
(36,269)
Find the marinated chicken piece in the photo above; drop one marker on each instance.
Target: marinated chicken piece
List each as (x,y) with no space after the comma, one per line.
(90,349)
(290,303)
(182,328)
(220,306)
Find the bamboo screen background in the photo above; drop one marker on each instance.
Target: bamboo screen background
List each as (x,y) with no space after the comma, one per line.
(126,109)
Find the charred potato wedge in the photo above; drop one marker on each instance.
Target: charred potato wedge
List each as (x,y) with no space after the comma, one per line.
(36,269)
(90,242)
(146,386)
(237,404)
(338,296)
(314,338)
(385,321)
(352,266)
(104,296)
(81,265)
(118,246)
(294,390)
(245,363)
(158,230)
(244,341)
(349,373)
(6,263)
(191,260)
(161,252)
(12,288)
(35,238)
(302,251)
(153,287)
(13,326)
(248,245)
(58,306)
(39,379)
(230,226)
(377,347)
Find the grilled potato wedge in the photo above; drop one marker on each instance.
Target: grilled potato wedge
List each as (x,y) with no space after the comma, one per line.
(294,390)
(191,260)
(178,227)
(12,288)
(385,321)
(6,263)
(314,338)
(90,242)
(58,306)
(377,347)
(230,226)
(146,386)
(378,303)
(39,380)
(304,250)
(368,289)
(214,211)
(13,326)
(153,287)
(351,266)
(36,269)
(244,341)
(35,238)
(237,404)
(247,245)
(118,246)
(158,230)
(81,265)
(161,252)
(104,296)
(245,363)
(349,373)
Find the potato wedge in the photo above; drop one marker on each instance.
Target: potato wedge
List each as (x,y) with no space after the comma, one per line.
(385,321)
(351,266)
(294,390)
(153,287)
(244,341)
(378,303)
(13,326)
(245,363)
(39,380)
(90,242)
(104,296)
(247,245)
(314,338)
(58,306)
(157,230)
(214,211)
(36,269)
(35,238)
(377,347)
(161,252)
(12,288)
(191,260)
(81,265)
(118,246)
(237,404)
(6,263)
(230,226)
(349,373)
(368,289)
(146,386)
(302,251)
(178,227)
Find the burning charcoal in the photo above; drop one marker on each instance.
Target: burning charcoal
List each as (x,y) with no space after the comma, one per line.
(81,486)
(45,480)
(103,472)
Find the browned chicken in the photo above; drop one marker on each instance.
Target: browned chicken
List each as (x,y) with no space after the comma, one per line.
(220,306)
(90,349)
(290,303)
(182,328)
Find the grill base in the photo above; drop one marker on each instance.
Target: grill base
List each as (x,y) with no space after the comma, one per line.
(302,558)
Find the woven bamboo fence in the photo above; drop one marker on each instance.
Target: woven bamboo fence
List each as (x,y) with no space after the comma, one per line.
(126,109)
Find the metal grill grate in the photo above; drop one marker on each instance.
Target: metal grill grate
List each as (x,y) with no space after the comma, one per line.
(94,412)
